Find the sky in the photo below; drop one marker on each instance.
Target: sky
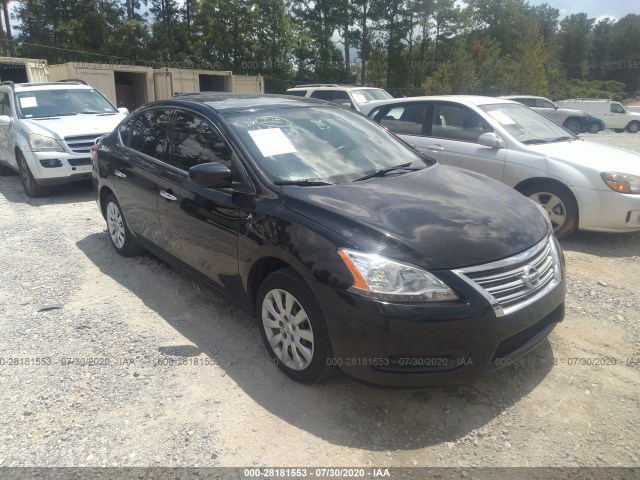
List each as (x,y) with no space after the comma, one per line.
(597,9)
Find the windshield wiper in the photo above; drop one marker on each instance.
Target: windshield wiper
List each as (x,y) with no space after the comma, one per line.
(383,171)
(535,141)
(47,117)
(561,139)
(101,114)
(301,183)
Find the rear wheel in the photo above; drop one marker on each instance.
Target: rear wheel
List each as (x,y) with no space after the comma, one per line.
(633,127)
(119,233)
(31,187)
(292,327)
(573,125)
(594,127)
(559,204)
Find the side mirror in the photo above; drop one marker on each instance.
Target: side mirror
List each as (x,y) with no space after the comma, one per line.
(347,104)
(211,175)
(492,140)
(555,106)
(5,120)
(123,110)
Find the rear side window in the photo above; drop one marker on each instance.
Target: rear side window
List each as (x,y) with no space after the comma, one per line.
(147,132)
(529,102)
(5,105)
(195,141)
(322,95)
(405,119)
(297,93)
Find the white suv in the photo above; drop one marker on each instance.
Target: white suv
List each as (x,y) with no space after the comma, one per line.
(47,129)
(347,95)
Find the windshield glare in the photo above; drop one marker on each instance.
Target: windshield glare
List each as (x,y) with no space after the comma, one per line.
(332,145)
(526,125)
(53,103)
(370,95)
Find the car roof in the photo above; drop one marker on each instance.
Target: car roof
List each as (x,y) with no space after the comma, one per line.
(244,102)
(523,96)
(334,87)
(22,87)
(469,100)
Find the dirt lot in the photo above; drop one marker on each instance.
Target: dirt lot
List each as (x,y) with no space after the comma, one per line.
(145,402)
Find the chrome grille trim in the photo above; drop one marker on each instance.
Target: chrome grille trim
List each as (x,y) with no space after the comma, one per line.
(81,143)
(503,283)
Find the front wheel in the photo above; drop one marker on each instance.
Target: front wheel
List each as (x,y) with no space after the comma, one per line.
(573,125)
(292,327)
(119,233)
(559,204)
(31,187)
(633,127)
(594,128)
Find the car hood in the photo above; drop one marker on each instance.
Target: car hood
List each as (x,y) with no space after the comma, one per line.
(438,217)
(591,155)
(73,125)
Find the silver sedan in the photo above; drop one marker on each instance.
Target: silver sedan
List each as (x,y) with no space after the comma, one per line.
(581,185)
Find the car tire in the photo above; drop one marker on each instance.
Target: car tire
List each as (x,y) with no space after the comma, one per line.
(559,204)
(29,183)
(633,127)
(573,125)
(292,327)
(119,233)
(594,127)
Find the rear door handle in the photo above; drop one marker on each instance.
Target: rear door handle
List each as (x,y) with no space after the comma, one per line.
(118,173)
(435,148)
(167,195)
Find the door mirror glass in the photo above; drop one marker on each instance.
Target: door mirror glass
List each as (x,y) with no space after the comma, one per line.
(124,110)
(211,175)
(5,121)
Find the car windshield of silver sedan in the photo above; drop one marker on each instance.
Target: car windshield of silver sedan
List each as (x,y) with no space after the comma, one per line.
(58,103)
(314,146)
(526,125)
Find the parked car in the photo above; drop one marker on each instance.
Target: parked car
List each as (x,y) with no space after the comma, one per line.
(351,249)
(594,124)
(46,130)
(572,119)
(580,184)
(614,114)
(346,95)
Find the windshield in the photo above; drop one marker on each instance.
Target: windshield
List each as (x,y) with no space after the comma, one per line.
(526,125)
(55,103)
(370,95)
(331,145)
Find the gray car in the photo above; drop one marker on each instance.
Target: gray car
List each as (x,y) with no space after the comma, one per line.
(573,120)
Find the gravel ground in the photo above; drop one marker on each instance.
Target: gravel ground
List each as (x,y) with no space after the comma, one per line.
(130,363)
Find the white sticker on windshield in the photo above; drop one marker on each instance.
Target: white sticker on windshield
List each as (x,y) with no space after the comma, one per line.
(272,141)
(28,102)
(502,117)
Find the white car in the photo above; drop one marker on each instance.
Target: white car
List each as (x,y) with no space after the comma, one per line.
(580,184)
(47,129)
(347,95)
(614,114)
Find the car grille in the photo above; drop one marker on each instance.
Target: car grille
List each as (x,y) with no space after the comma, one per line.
(79,162)
(515,282)
(81,143)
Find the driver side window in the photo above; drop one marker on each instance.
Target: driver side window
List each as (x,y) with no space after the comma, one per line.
(457,122)
(616,108)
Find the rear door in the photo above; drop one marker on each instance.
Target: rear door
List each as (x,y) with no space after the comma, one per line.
(135,169)
(200,225)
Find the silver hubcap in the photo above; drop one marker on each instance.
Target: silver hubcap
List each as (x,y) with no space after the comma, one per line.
(554,207)
(115,224)
(288,329)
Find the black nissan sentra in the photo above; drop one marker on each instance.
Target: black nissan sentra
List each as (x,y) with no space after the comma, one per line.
(353,251)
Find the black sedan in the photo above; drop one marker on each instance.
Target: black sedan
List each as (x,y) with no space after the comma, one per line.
(352,250)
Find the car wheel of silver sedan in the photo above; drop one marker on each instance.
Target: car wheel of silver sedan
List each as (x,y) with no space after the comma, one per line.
(119,232)
(560,205)
(573,125)
(292,327)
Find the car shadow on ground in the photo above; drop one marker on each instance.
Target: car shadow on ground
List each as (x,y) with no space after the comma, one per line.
(340,411)
(604,244)
(11,189)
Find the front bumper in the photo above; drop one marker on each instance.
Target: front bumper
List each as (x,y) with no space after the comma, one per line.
(608,211)
(419,345)
(58,168)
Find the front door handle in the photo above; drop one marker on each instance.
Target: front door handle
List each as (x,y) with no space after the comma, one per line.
(435,148)
(167,195)
(118,173)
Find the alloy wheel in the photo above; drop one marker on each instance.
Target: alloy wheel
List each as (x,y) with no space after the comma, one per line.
(554,206)
(116,225)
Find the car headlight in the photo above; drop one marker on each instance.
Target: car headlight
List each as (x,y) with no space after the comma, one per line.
(384,279)
(40,143)
(622,182)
